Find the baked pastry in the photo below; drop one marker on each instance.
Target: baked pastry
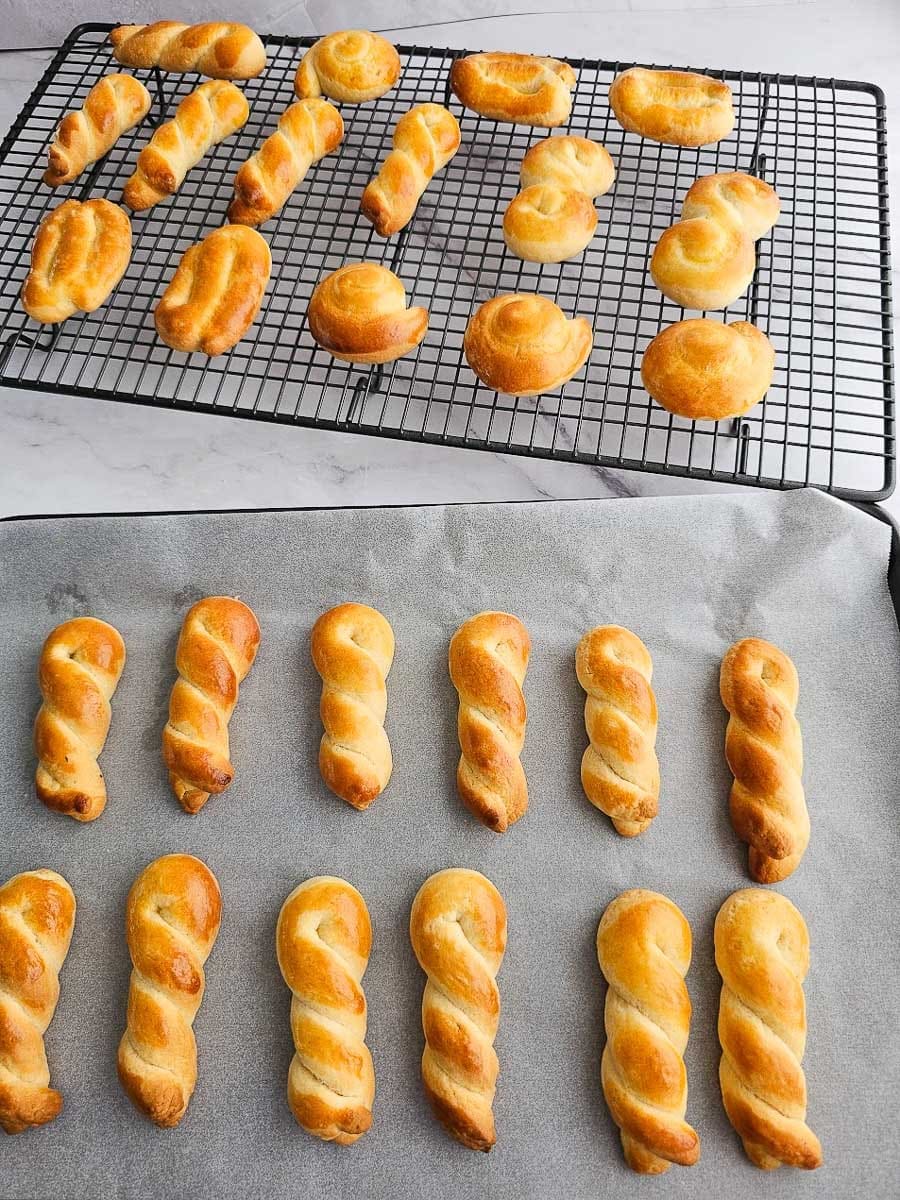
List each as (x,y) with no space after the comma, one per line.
(216,48)
(112,106)
(307,131)
(759,687)
(488,660)
(644,951)
(546,223)
(171,923)
(216,291)
(358,314)
(80,666)
(352,66)
(734,196)
(569,162)
(762,952)
(352,649)
(37,916)
(203,119)
(706,371)
(675,107)
(457,926)
(522,88)
(323,940)
(703,264)
(80,252)
(524,345)
(424,141)
(619,769)
(216,648)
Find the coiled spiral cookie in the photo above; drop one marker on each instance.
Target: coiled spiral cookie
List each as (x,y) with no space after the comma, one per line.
(323,941)
(216,648)
(762,953)
(524,345)
(80,666)
(644,951)
(352,66)
(488,660)
(359,314)
(457,926)
(171,922)
(759,688)
(619,769)
(352,649)
(37,917)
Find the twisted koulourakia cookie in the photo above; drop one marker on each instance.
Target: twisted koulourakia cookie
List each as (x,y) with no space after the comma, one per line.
(323,941)
(171,923)
(523,88)
(306,132)
(81,664)
(350,66)
(759,687)
(734,196)
(703,264)
(359,314)
(80,252)
(524,345)
(352,649)
(425,140)
(762,952)
(457,926)
(675,107)
(488,660)
(644,951)
(112,106)
(37,917)
(619,770)
(218,643)
(215,48)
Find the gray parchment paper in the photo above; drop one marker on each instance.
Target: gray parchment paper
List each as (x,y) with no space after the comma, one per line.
(690,575)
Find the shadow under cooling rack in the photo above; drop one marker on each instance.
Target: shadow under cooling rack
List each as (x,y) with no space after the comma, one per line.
(821,290)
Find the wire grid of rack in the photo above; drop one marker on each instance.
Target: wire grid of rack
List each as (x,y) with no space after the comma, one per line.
(821,290)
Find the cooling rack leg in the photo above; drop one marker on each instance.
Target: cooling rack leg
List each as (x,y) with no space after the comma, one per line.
(162,102)
(23,339)
(366,385)
(755,166)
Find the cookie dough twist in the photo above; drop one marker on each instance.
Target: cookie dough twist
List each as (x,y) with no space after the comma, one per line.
(619,769)
(352,649)
(217,48)
(171,923)
(113,105)
(764,749)
(644,951)
(762,953)
(457,926)
(323,941)
(37,917)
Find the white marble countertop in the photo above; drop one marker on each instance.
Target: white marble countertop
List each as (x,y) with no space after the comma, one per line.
(63,454)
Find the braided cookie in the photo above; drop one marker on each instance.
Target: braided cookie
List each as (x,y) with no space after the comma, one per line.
(350,66)
(522,88)
(204,118)
(218,643)
(218,49)
(171,923)
(764,749)
(488,660)
(359,314)
(307,131)
(216,292)
(619,769)
(762,952)
(352,649)
(644,951)
(80,252)
(81,663)
(524,345)
(37,916)
(424,141)
(457,926)
(323,941)
(113,106)
(675,107)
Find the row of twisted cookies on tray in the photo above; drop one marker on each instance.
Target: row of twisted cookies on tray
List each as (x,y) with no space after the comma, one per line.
(458,929)
(519,344)
(352,647)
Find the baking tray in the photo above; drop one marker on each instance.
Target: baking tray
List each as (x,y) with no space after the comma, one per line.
(806,571)
(821,291)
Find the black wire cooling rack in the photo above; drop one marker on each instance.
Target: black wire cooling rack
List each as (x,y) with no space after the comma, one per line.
(821,290)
